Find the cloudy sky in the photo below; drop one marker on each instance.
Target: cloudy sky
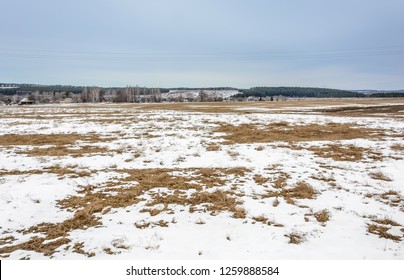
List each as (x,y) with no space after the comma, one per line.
(347,44)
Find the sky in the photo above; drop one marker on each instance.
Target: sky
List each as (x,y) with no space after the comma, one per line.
(346,44)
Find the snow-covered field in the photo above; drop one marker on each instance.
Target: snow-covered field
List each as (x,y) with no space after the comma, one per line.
(169,181)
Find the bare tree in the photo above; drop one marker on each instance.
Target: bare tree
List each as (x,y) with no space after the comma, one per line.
(203,96)
(137,94)
(84,95)
(121,96)
(94,94)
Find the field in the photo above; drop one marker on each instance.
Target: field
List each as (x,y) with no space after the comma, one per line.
(310,179)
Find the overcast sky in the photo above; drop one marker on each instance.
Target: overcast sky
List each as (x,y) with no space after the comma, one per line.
(347,44)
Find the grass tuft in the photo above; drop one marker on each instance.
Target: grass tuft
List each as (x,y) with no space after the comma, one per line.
(322,216)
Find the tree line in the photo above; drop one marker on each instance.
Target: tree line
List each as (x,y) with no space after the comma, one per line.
(72,94)
(14,93)
(310,92)
(262,92)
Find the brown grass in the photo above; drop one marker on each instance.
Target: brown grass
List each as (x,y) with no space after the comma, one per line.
(238,212)
(82,219)
(213,147)
(213,202)
(59,151)
(161,223)
(359,111)
(280,182)
(249,133)
(37,244)
(259,179)
(261,219)
(379,176)
(391,198)
(322,178)
(295,238)
(109,251)
(397,147)
(322,216)
(386,222)
(382,232)
(47,139)
(70,171)
(301,190)
(341,152)
(92,200)
(284,106)
(7,240)
(78,248)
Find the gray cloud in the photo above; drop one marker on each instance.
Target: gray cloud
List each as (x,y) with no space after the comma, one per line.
(344,44)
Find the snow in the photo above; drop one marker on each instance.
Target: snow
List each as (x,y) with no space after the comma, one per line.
(179,142)
(193,94)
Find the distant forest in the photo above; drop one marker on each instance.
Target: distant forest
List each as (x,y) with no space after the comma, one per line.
(298,92)
(28,88)
(309,92)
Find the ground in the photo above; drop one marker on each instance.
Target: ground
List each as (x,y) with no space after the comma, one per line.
(309,179)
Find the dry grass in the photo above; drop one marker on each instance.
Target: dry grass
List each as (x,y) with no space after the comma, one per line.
(301,190)
(48,139)
(38,139)
(161,223)
(259,179)
(7,240)
(213,147)
(322,178)
(233,154)
(70,171)
(397,147)
(238,211)
(379,176)
(295,238)
(78,248)
(382,232)
(109,251)
(213,202)
(249,133)
(152,211)
(92,200)
(59,151)
(37,244)
(360,111)
(386,222)
(284,106)
(261,219)
(82,219)
(280,181)
(322,216)
(391,198)
(341,152)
